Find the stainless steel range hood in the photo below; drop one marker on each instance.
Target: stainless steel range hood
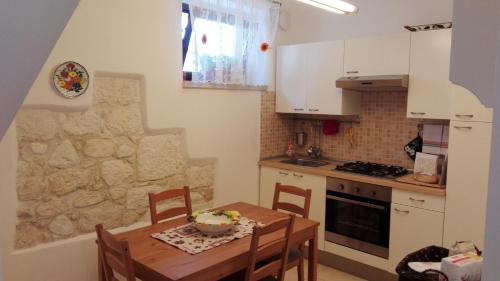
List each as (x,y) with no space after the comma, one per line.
(374,83)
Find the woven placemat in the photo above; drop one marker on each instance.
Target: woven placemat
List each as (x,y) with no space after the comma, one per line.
(191,240)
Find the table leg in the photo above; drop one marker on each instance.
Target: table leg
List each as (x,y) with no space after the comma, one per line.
(312,269)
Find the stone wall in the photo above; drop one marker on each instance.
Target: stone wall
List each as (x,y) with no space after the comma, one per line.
(80,168)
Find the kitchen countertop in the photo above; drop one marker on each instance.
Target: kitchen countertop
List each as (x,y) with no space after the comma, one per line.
(329,171)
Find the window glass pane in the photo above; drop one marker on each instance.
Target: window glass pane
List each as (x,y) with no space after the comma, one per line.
(215,33)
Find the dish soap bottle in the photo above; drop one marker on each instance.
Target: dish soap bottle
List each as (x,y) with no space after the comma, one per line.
(290,151)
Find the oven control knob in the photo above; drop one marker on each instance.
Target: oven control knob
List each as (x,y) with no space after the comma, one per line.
(341,186)
(358,189)
(373,193)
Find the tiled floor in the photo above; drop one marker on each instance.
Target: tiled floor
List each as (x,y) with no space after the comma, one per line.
(325,273)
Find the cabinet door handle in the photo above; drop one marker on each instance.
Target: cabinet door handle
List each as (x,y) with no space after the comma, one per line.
(313,109)
(417,113)
(298,109)
(463,127)
(464,115)
(405,212)
(283,173)
(421,201)
(352,72)
(298,175)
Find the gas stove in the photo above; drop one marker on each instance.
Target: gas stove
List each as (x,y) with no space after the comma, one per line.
(373,169)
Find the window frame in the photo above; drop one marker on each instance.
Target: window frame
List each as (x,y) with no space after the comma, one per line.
(187,75)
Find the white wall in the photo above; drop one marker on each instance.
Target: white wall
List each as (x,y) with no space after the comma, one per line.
(375,17)
(144,37)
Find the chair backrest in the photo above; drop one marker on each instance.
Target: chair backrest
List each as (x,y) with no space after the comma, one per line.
(272,255)
(173,212)
(114,256)
(287,206)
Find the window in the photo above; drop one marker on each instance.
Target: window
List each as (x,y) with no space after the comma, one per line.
(213,51)
(186,38)
(222,41)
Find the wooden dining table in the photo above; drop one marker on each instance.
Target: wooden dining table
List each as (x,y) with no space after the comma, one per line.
(155,260)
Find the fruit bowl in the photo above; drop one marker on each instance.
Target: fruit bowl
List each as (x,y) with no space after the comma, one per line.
(215,222)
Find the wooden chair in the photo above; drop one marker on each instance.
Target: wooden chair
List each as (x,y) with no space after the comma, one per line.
(296,258)
(114,256)
(268,261)
(170,213)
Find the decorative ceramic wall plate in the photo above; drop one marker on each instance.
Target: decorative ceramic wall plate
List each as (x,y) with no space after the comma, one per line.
(71,79)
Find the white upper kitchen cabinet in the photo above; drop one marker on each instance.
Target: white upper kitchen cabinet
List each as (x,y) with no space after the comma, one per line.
(291,79)
(305,80)
(467,182)
(465,106)
(383,55)
(429,89)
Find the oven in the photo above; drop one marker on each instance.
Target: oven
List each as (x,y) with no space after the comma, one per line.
(358,216)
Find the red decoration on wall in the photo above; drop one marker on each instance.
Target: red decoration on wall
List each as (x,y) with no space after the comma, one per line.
(204,39)
(264,47)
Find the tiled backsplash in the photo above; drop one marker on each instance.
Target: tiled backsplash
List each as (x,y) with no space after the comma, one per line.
(275,129)
(382,132)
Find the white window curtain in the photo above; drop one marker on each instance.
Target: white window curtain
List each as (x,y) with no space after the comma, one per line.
(231,41)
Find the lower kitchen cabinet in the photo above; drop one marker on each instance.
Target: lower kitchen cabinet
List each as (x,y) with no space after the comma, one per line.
(416,219)
(270,176)
(467,182)
(412,229)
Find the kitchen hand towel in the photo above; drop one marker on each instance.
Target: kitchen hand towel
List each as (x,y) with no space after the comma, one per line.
(330,127)
(413,147)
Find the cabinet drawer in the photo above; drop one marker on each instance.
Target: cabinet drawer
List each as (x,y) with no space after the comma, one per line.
(418,200)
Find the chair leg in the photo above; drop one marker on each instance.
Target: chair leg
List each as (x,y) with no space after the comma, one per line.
(300,270)
(300,266)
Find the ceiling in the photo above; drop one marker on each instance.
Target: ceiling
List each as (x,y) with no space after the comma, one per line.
(375,17)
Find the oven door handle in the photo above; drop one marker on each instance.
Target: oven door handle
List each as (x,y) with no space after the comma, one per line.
(373,206)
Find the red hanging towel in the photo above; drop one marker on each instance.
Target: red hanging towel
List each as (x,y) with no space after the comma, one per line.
(330,127)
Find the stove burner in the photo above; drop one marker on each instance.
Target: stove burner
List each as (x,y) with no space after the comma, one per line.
(373,169)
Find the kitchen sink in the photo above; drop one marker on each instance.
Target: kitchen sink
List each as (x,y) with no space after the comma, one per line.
(305,162)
